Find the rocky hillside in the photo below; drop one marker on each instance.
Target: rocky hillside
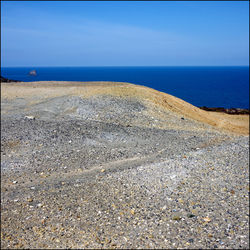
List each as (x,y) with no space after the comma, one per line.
(116,165)
(64,98)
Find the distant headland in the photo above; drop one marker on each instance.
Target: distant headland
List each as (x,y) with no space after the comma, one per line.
(3,79)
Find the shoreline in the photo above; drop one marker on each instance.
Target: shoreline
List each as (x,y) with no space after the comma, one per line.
(231,111)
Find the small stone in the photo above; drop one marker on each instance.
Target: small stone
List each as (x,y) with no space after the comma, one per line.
(29,117)
(181,201)
(102,170)
(132,211)
(107,240)
(176,217)
(14,182)
(190,215)
(29,199)
(194,211)
(207,219)
(164,208)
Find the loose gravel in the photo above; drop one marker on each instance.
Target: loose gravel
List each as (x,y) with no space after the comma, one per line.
(104,172)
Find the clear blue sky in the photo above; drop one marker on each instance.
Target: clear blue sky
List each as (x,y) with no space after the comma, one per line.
(119,33)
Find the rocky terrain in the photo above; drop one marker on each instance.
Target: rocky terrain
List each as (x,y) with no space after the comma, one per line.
(233,111)
(115,165)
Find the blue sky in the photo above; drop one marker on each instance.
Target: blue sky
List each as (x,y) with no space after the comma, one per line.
(120,33)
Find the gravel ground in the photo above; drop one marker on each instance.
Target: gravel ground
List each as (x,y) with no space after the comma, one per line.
(108,172)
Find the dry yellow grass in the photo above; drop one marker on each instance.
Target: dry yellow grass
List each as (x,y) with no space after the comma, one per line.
(238,124)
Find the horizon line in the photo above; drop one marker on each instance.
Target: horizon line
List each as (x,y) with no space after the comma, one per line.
(127,66)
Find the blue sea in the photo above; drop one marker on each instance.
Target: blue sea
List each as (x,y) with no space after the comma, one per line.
(201,86)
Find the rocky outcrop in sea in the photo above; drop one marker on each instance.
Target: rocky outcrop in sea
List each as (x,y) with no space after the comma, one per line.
(33,73)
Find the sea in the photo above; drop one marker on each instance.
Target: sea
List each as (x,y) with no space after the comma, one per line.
(226,87)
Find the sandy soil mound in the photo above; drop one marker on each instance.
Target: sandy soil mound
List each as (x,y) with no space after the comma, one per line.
(37,92)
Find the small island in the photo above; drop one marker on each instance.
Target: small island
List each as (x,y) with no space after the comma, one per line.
(33,73)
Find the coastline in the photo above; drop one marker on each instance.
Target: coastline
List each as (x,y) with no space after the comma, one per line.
(225,87)
(3,79)
(231,111)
